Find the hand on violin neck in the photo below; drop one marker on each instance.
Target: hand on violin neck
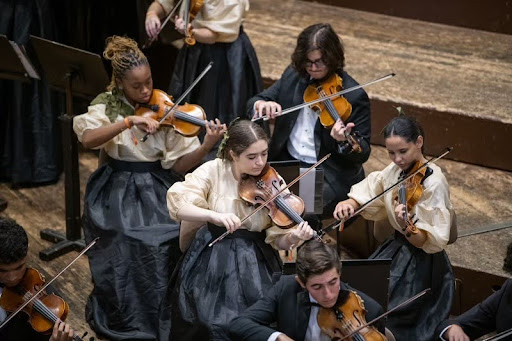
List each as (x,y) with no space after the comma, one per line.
(268,109)
(61,332)
(338,130)
(399,213)
(214,132)
(179,25)
(301,232)
(230,221)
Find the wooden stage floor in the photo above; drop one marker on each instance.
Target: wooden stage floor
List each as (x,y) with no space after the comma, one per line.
(481,197)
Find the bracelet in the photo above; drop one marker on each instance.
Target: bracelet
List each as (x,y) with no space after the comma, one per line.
(127,122)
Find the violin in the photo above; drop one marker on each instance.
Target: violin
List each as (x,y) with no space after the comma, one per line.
(409,193)
(342,321)
(44,310)
(192,7)
(332,110)
(285,210)
(187,119)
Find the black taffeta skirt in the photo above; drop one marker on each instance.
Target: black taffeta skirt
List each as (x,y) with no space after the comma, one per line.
(212,285)
(125,205)
(412,271)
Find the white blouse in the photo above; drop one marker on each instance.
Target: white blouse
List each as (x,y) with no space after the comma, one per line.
(165,145)
(434,209)
(212,186)
(223,17)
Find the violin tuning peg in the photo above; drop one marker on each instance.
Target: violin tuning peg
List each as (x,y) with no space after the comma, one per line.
(416,221)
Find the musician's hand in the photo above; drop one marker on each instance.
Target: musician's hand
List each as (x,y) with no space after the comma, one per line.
(152,24)
(230,221)
(61,332)
(283,337)
(302,232)
(179,25)
(214,132)
(455,333)
(344,210)
(266,109)
(146,124)
(338,130)
(399,213)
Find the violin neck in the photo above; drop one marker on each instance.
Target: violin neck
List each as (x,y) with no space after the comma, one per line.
(49,315)
(188,118)
(290,212)
(402,198)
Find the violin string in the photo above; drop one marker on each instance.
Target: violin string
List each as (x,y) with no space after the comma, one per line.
(283,206)
(188,118)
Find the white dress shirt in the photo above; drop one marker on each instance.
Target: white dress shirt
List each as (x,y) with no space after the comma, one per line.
(301,143)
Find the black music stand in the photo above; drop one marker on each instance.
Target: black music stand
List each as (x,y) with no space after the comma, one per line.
(82,73)
(15,63)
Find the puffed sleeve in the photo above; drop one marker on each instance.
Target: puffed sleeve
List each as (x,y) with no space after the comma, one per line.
(95,117)
(223,17)
(194,190)
(434,213)
(176,146)
(366,190)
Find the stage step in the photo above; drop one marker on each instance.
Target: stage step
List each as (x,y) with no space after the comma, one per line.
(456,81)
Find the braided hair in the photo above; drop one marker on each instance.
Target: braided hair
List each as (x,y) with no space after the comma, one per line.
(124,55)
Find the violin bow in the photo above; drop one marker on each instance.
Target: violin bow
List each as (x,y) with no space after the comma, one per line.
(366,204)
(274,197)
(321,99)
(415,297)
(499,336)
(167,19)
(178,101)
(48,283)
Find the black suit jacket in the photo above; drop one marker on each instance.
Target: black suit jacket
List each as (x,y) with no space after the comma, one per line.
(287,303)
(342,169)
(493,314)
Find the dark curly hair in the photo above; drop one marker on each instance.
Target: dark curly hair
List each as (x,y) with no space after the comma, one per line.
(13,241)
(315,258)
(319,37)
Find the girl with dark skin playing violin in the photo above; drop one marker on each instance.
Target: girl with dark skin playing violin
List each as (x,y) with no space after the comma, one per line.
(419,259)
(214,284)
(125,198)
(13,266)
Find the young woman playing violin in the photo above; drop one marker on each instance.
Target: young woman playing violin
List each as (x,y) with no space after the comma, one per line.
(219,37)
(125,198)
(318,59)
(214,284)
(13,269)
(420,237)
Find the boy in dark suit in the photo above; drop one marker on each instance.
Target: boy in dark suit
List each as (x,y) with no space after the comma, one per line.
(293,303)
(493,314)
(13,264)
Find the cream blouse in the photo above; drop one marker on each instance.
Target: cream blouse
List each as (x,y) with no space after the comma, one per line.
(165,145)
(223,17)
(434,209)
(212,186)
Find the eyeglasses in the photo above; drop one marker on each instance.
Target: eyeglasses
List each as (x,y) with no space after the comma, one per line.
(319,63)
